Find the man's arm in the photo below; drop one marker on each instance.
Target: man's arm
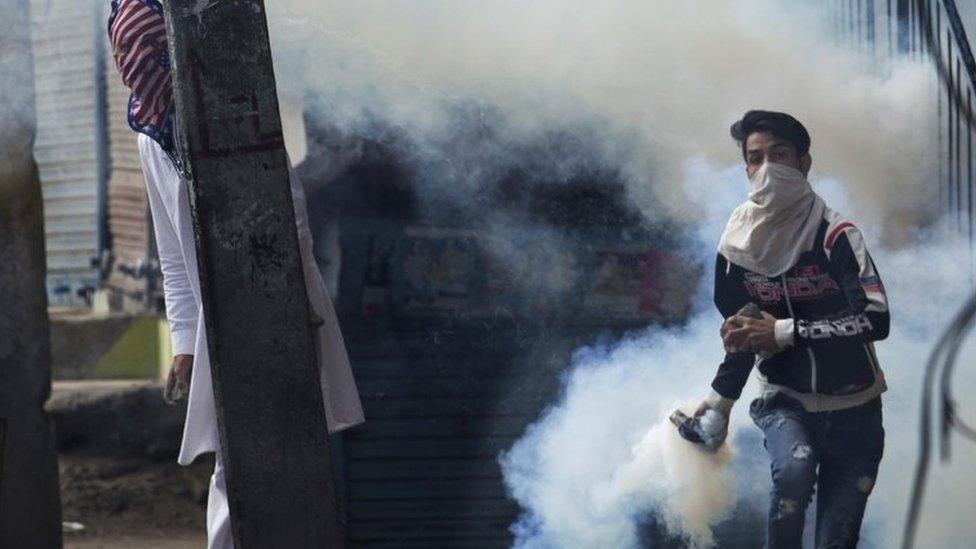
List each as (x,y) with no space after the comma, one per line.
(730,296)
(181,306)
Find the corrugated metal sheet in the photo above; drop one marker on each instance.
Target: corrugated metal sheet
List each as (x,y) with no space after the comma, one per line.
(441,404)
(63,35)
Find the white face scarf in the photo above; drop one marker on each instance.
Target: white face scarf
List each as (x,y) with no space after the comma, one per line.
(767,233)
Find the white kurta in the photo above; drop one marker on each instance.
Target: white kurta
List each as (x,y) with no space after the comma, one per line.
(170,206)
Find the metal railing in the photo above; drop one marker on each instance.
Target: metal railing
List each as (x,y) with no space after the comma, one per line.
(889,29)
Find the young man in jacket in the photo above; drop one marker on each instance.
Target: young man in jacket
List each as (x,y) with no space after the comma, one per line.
(823,306)
(138,37)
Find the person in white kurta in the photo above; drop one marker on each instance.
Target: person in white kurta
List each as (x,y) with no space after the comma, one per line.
(170,207)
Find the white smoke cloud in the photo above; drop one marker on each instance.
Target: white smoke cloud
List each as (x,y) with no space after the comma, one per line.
(604,456)
(660,81)
(651,88)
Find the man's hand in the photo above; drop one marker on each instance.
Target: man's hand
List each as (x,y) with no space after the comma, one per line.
(178,382)
(750,335)
(728,325)
(314,320)
(712,428)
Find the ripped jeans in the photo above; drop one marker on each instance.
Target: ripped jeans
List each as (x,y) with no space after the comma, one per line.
(839,452)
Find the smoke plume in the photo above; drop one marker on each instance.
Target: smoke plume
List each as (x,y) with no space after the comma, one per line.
(604,456)
(653,84)
(648,90)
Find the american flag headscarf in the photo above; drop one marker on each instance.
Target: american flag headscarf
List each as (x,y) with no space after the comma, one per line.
(137,34)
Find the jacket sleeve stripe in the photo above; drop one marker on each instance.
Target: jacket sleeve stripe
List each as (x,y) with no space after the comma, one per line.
(867,275)
(834,233)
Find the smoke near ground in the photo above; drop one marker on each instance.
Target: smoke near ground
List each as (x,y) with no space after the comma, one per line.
(604,457)
(648,89)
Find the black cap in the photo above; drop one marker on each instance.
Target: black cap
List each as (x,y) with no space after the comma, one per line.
(779,124)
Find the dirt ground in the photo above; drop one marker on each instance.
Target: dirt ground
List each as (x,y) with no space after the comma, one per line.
(126,502)
(117,444)
(175,540)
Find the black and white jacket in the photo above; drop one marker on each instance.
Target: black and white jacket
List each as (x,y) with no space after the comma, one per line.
(831,307)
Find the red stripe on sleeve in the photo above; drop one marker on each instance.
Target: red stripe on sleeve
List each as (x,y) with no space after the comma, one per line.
(832,237)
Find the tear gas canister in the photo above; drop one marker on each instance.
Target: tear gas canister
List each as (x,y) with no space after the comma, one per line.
(708,430)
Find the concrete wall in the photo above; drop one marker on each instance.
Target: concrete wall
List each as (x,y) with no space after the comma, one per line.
(110,347)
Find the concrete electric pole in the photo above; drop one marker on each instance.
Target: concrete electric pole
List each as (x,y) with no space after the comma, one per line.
(266,381)
(30,508)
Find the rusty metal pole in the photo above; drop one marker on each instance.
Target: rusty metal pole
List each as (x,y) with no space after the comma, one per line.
(266,382)
(30,508)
